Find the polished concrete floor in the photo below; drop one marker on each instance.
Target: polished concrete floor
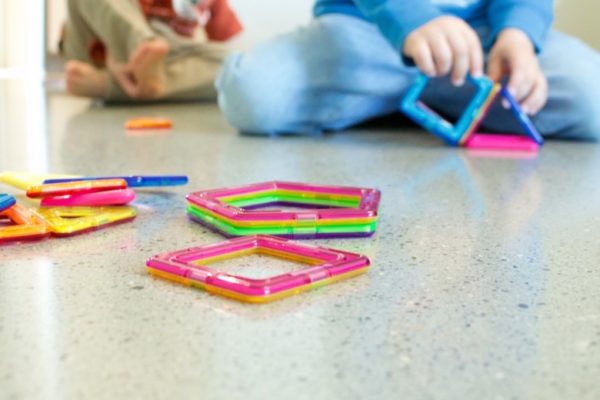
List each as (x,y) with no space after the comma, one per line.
(484,283)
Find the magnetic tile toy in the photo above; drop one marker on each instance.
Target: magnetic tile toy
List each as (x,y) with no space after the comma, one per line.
(435,123)
(225,202)
(282,223)
(26,225)
(307,231)
(192,267)
(326,211)
(23,180)
(501,142)
(492,141)
(107,198)
(134,180)
(70,188)
(65,221)
(465,131)
(479,114)
(6,201)
(522,117)
(148,123)
(282,197)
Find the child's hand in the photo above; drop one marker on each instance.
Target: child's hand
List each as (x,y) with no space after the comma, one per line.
(446,44)
(513,54)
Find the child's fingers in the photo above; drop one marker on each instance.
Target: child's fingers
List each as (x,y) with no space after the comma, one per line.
(520,82)
(461,57)
(495,68)
(421,54)
(475,53)
(442,54)
(537,98)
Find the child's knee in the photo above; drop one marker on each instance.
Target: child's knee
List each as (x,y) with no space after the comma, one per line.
(584,107)
(251,98)
(572,68)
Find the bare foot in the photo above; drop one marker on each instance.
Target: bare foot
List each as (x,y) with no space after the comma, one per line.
(147,65)
(123,74)
(83,79)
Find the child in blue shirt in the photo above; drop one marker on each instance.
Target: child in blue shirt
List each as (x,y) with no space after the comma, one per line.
(357,58)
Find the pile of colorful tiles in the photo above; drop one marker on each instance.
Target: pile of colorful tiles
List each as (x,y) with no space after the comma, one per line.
(327,211)
(68,205)
(465,131)
(260,214)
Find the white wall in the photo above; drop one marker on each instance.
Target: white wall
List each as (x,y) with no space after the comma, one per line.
(580,18)
(263,18)
(21,34)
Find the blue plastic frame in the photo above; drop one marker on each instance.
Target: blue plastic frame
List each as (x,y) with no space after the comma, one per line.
(435,123)
(6,201)
(522,118)
(133,181)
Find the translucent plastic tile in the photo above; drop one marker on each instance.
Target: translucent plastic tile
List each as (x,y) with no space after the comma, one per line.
(78,187)
(530,142)
(312,230)
(191,267)
(66,221)
(435,123)
(94,199)
(6,201)
(148,123)
(24,224)
(343,203)
(465,131)
(133,180)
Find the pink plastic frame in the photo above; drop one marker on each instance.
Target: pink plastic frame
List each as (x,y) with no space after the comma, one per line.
(185,264)
(480,141)
(107,198)
(211,200)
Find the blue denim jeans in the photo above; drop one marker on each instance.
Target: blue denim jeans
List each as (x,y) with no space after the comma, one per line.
(339,71)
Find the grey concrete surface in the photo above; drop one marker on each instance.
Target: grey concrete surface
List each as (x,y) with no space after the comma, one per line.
(484,284)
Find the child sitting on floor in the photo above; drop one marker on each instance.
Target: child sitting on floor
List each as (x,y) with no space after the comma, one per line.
(356,59)
(145,49)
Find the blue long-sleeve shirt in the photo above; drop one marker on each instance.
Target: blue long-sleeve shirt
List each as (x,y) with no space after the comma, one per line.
(397,18)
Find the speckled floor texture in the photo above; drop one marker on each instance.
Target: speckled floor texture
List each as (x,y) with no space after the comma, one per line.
(484,284)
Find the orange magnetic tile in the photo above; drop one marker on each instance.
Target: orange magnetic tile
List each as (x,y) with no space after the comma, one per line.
(26,225)
(76,187)
(148,123)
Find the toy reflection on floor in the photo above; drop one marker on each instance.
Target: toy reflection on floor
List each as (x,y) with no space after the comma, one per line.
(465,131)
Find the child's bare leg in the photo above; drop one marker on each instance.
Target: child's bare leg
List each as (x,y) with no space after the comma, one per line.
(83,79)
(122,27)
(119,24)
